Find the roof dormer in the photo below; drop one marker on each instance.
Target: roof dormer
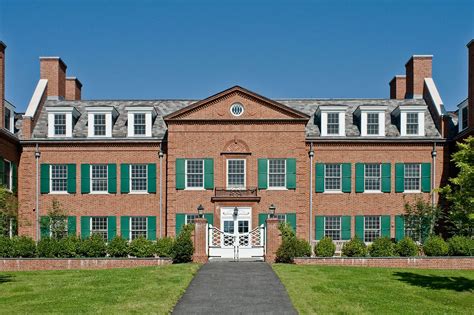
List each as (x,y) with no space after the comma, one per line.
(333,120)
(372,120)
(100,120)
(140,120)
(411,120)
(61,121)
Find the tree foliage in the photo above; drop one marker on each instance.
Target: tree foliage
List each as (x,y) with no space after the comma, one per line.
(421,218)
(8,211)
(57,220)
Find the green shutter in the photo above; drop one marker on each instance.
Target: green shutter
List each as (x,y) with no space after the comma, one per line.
(426,177)
(359,226)
(71,178)
(399,177)
(71,226)
(262,219)
(125,227)
(291,173)
(262,173)
(399,227)
(360,187)
(209,174)
(44,227)
(345,227)
(152,178)
(180,221)
(44,178)
(346,177)
(2,171)
(180,173)
(111,227)
(151,228)
(209,217)
(319,177)
(85,178)
(385,225)
(319,227)
(291,220)
(125,178)
(85,227)
(112,178)
(386,177)
(14,177)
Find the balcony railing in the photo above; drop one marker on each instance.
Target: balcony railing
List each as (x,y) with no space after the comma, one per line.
(244,194)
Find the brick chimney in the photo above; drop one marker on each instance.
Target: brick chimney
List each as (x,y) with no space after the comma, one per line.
(2,84)
(417,68)
(54,70)
(398,87)
(73,89)
(470,83)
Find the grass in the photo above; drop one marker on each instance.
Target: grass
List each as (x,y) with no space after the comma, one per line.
(358,290)
(139,290)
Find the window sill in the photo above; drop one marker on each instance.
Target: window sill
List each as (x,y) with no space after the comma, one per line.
(333,192)
(373,192)
(277,188)
(58,193)
(99,193)
(412,192)
(138,193)
(195,188)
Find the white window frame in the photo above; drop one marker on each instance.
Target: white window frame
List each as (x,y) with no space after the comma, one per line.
(340,226)
(191,218)
(363,112)
(99,192)
(146,177)
(402,111)
(11,108)
(10,175)
(59,192)
(227,175)
(131,226)
(461,117)
(69,112)
(150,114)
(380,179)
(106,226)
(186,174)
(326,190)
(380,227)
(268,176)
(323,113)
(419,179)
(110,114)
(282,217)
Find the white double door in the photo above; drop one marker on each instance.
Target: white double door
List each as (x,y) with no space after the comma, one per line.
(236,223)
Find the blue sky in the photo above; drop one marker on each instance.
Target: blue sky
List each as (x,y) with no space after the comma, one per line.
(192,49)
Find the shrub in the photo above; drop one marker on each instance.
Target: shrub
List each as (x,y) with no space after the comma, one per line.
(435,246)
(354,248)
(382,247)
(325,248)
(164,247)
(183,249)
(5,247)
(141,247)
(69,247)
(303,248)
(23,247)
(406,247)
(94,246)
(118,247)
(461,246)
(291,246)
(48,248)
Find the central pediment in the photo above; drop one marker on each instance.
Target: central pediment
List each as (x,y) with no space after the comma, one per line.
(237,103)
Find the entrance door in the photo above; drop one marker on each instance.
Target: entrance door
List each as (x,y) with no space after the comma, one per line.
(236,223)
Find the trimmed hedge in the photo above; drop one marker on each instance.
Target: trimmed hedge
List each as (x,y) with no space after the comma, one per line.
(291,246)
(461,246)
(382,247)
(183,247)
(141,247)
(354,248)
(164,247)
(406,247)
(325,247)
(435,246)
(118,247)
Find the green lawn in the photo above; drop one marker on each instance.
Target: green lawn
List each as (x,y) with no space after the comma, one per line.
(359,290)
(139,290)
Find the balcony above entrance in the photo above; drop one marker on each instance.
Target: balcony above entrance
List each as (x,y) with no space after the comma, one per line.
(245,194)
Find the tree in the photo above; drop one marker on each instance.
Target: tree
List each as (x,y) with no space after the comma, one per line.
(421,218)
(460,192)
(8,212)
(56,221)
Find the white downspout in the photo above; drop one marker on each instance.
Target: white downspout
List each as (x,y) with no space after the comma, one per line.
(311,155)
(160,154)
(433,174)
(37,157)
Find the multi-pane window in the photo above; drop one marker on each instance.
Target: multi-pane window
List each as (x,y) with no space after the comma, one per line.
(236,174)
(333,124)
(139,124)
(190,218)
(59,124)
(58,228)
(99,124)
(8,114)
(138,227)
(464,118)
(372,123)
(194,173)
(99,226)
(281,218)
(332,227)
(276,173)
(371,228)
(412,123)
(138,178)
(59,177)
(243,226)
(372,177)
(99,178)
(7,175)
(332,177)
(412,177)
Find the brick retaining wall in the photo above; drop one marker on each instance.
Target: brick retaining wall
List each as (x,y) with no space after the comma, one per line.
(27,264)
(393,262)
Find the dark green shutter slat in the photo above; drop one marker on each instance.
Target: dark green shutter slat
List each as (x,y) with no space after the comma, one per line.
(71,178)
(359,177)
(319,177)
(209,217)
(291,220)
(262,219)
(291,173)
(345,227)
(386,177)
(359,226)
(44,174)
(399,177)
(180,173)
(14,177)
(152,228)
(180,221)
(262,173)
(125,178)
(71,225)
(111,227)
(125,227)
(152,178)
(385,225)
(209,174)
(85,227)
(346,177)
(399,227)
(112,178)
(44,226)
(426,177)
(319,227)
(85,178)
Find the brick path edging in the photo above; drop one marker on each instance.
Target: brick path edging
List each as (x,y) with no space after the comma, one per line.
(29,264)
(392,262)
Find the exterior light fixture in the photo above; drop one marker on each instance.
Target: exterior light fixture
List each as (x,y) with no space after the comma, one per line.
(236,211)
(271,210)
(200,210)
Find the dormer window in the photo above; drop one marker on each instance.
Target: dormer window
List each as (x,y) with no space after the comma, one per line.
(333,124)
(99,125)
(412,120)
(139,124)
(463,116)
(332,120)
(59,125)
(372,120)
(9,117)
(61,121)
(140,121)
(412,124)
(100,120)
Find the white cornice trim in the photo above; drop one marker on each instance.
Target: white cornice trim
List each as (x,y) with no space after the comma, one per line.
(36,98)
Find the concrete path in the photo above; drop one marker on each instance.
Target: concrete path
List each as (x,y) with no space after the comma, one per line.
(235,288)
